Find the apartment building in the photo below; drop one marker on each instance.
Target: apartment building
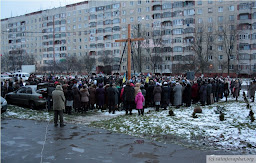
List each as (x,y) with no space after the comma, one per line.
(170,29)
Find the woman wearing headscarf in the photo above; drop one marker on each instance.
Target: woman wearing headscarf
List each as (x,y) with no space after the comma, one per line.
(84,97)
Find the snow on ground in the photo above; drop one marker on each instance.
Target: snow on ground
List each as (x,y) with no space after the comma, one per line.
(235,133)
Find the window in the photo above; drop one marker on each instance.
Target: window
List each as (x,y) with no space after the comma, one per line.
(139,10)
(124,12)
(131,3)
(147,9)
(220,9)
(220,67)
(231,17)
(199,2)
(220,28)
(220,19)
(209,29)
(123,20)
(231,8)
(200,20)
(139,2)
(220,57)
(131,19)
(232,27)
(177,49)
(177,31)
(147,17)
(220,48)
(199,11)
(220,38)
(209,10)
(177,22)
(139,18)
(116,5)
(210,20)
(244,17)
(210,57)
(209,1)
(189,12)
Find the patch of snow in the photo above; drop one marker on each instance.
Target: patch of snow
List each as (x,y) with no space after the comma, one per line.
(78,149)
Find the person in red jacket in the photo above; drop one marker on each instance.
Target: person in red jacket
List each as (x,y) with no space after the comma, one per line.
(139,99)
(194,92)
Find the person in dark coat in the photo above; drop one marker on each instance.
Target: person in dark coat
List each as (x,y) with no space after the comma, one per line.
(116,97)
(177,93)
(149,95)
(100,96)
(100,80)
(50,89)
(194,92)
(111,93)
(128,96)
(226,90)
(77,99)
(252,89)
(172,93)
(144,92)
(236,89)
(187,94)
(165,95)
(208,93)
(203,93)
(69,99)
(157,95)
(214,90)
(217,91)
(92,92)
(10,87)
(221,89)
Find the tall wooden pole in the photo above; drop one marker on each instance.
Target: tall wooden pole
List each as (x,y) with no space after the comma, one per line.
(129,52)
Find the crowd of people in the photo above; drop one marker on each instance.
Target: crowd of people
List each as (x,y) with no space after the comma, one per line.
(113,93)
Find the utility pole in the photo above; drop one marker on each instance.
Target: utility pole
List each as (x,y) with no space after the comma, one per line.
(54,63)
(139,50)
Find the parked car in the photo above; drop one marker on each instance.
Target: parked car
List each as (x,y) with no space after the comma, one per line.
(27,95)
(42,88)
(3,105)
(5,77)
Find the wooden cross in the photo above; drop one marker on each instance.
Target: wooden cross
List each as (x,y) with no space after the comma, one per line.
(129,40)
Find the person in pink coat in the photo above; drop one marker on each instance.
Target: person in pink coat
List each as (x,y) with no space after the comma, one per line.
(139,99)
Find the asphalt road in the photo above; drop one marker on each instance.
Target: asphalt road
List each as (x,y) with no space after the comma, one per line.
(23,141)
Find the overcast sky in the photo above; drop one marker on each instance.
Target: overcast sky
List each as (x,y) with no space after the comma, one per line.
(11,8)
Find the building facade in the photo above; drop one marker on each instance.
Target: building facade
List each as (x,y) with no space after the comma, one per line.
(227,32)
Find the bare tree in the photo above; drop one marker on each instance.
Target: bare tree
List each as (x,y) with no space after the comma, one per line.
(201,45)
(228,35)
(71,64)
(88,63)
(6,63)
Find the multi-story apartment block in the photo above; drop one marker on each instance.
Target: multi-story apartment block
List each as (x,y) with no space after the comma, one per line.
(171,29)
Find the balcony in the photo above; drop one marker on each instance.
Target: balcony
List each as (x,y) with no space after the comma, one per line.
(244,26)
(157,2)
(156,7)
(189,3)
